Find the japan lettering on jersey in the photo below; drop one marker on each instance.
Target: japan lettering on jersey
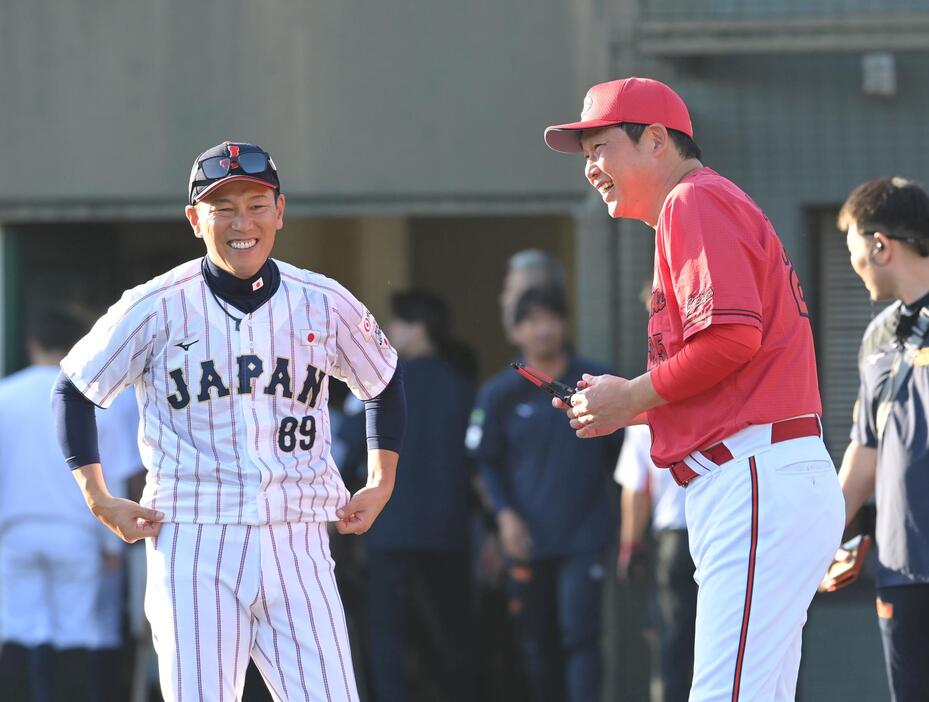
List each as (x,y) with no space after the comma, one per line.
(235,424)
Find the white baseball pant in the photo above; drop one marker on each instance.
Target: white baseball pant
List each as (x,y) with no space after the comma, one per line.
(217,594)
(763,530)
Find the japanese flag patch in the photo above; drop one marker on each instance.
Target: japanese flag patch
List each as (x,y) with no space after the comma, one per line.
(309,337)
(371,331)
(367,325)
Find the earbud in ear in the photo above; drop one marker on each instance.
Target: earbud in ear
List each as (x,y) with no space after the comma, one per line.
(879,246)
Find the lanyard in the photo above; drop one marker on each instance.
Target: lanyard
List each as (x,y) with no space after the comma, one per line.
(901,369)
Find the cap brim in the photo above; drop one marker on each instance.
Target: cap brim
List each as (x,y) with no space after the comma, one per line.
(229,179)
(566,138)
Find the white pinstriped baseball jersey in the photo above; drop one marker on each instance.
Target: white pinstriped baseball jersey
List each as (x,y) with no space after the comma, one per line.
(235,424)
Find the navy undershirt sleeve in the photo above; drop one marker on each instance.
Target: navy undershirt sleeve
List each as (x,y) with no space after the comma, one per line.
(75,424)
(385,416)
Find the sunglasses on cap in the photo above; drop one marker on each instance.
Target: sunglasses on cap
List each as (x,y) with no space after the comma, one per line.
(251,163)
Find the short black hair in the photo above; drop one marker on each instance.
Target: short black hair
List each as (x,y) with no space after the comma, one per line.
(549,298)
(56,329)
(895,207)
(423,307)
(685,145)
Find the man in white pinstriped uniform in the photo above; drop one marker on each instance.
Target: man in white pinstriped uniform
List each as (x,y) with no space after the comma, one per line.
(230,358)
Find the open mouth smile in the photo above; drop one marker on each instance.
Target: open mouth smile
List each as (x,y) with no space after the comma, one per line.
(243,244)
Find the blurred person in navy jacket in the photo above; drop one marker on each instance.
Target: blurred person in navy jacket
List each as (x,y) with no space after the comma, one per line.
(552,497)
(417,552)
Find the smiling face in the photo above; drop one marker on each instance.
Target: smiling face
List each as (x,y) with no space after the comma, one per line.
(621,170)
(238,223)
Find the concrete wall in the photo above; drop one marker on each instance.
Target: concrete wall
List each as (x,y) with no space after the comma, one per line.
(362,103)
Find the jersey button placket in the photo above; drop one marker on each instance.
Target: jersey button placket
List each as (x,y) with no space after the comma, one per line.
(253,419)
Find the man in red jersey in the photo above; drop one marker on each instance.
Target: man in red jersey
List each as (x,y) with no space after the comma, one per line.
(731,392)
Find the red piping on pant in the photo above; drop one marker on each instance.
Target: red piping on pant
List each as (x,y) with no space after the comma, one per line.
(753,470)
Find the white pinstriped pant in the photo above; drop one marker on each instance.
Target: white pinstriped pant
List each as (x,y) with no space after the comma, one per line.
(217,594)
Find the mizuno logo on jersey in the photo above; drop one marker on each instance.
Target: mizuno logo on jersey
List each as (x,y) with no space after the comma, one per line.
(250,369)
(187,346)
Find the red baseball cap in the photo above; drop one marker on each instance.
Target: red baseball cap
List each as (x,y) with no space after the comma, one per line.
(634,100)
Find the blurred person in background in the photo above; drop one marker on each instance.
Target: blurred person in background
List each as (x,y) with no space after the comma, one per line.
(418,562)
(650,495)
(887,231)
(529,268)
(53,552)
(550,493)
(501,658)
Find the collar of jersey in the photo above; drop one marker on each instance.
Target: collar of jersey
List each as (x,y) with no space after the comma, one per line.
(913,310)
(238,292)
(906,317)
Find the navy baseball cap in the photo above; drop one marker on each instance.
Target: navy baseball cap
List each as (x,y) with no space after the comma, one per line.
(229,161)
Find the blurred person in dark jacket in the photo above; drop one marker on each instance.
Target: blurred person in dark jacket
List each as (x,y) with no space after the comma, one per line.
(417,552)
(553,501)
